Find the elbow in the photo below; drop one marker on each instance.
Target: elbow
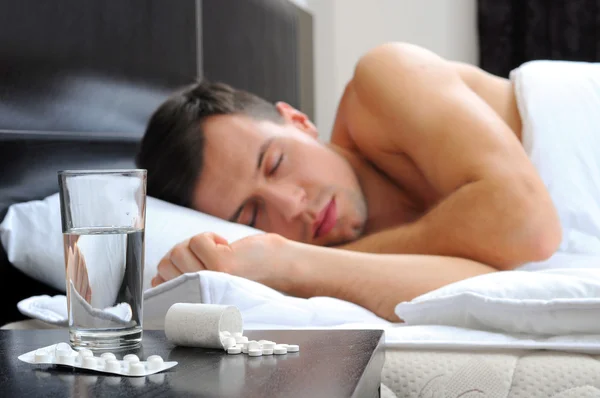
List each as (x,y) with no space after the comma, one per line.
(538,238)
(544,239)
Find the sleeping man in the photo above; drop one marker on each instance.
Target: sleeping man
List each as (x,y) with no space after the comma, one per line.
(428,179)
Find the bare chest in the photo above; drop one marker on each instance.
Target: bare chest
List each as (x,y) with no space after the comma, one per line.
(404,175)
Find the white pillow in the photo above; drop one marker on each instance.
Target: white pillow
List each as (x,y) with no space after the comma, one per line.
(548,302)
(32,238)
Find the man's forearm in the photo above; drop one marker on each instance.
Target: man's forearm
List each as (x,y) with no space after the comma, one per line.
(482,221)
(377,282)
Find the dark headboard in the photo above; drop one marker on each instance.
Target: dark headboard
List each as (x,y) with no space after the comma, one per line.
(79,79)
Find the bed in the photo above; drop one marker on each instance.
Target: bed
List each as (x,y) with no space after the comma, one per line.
(49,121)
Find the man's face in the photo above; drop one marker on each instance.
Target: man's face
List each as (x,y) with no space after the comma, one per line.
(279,178)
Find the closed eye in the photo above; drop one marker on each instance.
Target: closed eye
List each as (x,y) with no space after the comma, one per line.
(276,166)
(254,214)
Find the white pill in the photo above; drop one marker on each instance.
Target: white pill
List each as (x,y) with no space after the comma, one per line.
(89,362)
(253,345)
(238,334)
(241,339)
(131,358)
(113,366)
(245,349)
(293,348)
(100,362)
(234,350)
(267,351)
(279,350)
(42,356)
(108,355)
(155,358)
(269,345)
(154,362)
(84,353)
(137,369)
(68,360)
(255,352)
(228,342)
(62,349)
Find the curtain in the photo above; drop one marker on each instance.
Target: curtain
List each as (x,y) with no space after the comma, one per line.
(512,32)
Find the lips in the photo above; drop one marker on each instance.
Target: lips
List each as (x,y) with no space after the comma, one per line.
(325,220)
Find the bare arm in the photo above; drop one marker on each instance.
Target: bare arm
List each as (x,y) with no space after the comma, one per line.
(496,209)
(377,282)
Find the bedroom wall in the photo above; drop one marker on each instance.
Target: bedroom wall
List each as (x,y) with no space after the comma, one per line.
(345,29)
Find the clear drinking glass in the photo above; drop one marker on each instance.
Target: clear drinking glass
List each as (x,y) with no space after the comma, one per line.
(103,214)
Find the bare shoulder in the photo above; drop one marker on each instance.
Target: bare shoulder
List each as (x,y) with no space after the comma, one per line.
(393,88)
(406,64)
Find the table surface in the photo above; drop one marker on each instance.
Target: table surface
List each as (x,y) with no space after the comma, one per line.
(331,363)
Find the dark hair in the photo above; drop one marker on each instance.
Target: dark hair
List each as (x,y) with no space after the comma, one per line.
(172,148)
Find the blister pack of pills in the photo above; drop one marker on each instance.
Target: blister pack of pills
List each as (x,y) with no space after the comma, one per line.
(237,343)
(63,355)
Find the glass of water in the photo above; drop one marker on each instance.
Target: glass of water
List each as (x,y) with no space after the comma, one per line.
(103,214)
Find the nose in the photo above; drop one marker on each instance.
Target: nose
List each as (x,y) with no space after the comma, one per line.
(289,200)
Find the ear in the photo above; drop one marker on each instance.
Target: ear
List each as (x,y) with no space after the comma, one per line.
(297,118)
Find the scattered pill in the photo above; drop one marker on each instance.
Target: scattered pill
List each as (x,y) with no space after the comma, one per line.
(228,342)
(234,350)
(241,339)
(267,351)
(255,352)
(253,345)
(293,348)
(279,350)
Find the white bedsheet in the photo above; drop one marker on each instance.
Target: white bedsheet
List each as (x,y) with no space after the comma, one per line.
(264,308)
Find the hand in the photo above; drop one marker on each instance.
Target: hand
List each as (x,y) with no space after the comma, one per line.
(255,257)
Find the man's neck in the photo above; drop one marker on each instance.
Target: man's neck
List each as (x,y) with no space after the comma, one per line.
(387,203)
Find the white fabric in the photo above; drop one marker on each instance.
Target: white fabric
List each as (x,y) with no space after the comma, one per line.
(264,308)
(31,236)
(551,302)
(559,103)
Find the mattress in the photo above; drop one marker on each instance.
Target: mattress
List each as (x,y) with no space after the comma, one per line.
(410,373)
(454,373)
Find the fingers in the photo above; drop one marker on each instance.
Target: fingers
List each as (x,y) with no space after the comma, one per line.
(184,260)
(205,248)
(157,280)
(189,256)
(167,270)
